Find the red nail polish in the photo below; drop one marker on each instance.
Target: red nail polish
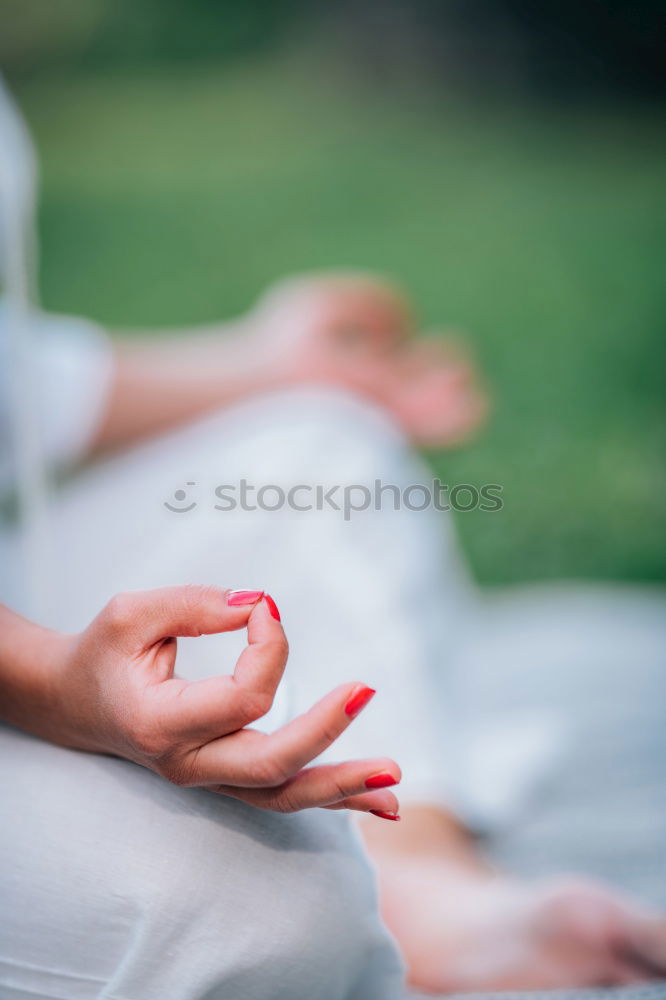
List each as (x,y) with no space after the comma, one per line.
(272,607)
(381,780)
(359,700)
(385,815)
(237,597)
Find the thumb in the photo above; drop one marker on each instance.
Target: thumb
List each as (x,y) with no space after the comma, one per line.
(138,619)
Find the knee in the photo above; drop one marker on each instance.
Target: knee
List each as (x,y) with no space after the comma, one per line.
(293,899)
(326,433)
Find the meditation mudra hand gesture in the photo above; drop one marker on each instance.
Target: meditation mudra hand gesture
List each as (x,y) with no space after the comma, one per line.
(112,689)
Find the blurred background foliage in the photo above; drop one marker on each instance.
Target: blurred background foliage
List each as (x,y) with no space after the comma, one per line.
(502,160)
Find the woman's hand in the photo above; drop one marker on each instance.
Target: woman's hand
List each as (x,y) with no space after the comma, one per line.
(112,689)
(352,330)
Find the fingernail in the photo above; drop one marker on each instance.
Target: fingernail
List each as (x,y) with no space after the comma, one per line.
(236,597)
(385,815)
(359,700)
(381,780)
(272,607)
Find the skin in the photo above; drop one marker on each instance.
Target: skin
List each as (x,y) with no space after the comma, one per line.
(355,332)
(112,689)
(463,926)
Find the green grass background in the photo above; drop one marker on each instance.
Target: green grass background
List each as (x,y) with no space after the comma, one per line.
(173,198)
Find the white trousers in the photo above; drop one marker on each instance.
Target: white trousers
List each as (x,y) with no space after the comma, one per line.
(116,884)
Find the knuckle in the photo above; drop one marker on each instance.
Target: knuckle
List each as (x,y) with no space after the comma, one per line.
(276,651)
(338,785)
(255,704)
(277,645)
(196,597)
(330,730)
(268,773)
(283,646)
(340,788)
(284,803)
(118,612)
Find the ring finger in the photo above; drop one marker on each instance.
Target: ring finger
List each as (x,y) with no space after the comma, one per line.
(365,782)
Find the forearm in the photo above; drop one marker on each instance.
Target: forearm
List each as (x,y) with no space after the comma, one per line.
(162,381)
(30,658)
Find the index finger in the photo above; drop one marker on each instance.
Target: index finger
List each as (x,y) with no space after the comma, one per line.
(200,711)
(137,620)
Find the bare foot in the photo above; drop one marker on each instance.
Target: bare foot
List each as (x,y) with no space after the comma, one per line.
(494,934)
(355,331)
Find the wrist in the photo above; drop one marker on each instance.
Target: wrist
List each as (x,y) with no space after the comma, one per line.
(32,667)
